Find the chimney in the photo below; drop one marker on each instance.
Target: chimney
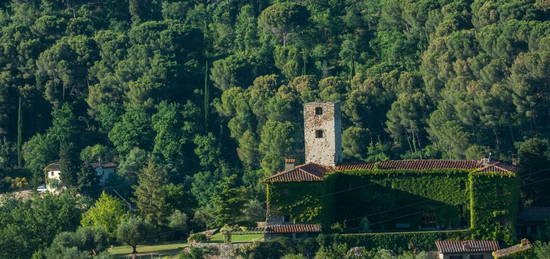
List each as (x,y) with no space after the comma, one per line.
(289,163)
(487,160)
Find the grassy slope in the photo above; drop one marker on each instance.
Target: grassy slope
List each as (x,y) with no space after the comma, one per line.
(218,238)
(172,249)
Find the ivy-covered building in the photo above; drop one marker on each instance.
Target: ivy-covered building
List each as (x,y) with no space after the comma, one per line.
(480,196)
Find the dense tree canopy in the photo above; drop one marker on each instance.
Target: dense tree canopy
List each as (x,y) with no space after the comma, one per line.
(212,91)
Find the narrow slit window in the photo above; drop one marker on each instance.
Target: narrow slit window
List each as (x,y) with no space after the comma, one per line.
(319,133)
(318,110)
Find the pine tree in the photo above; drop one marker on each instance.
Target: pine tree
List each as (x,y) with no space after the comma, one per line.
(150,194)
(227,201)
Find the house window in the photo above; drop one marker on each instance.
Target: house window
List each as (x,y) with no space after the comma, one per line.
(318,110)
(476,256)
(319,133)
(51,173)
(455,257)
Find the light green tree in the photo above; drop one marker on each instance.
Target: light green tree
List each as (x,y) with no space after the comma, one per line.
(105,214)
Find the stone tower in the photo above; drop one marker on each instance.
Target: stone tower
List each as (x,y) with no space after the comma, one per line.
(323,133)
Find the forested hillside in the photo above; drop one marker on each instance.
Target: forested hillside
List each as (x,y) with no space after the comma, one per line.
(207,95)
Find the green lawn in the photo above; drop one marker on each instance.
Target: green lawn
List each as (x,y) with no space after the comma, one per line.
(218,238)
(172,249)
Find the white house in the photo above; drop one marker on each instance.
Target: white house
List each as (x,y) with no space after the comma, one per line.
(104,171)
(53,175)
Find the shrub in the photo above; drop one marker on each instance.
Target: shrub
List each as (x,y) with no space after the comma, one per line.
(275,248)
(198,253)
(197,238)
(396,241)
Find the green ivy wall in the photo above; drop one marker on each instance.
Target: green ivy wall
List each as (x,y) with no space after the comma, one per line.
(486,203)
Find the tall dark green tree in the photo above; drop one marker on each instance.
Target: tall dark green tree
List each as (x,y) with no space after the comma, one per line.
(69,165)
(151,198)
(87,180)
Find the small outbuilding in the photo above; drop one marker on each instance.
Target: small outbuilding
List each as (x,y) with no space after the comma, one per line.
(524,246)
(466,249)
(294,231)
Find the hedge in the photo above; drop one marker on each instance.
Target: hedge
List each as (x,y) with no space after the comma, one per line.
(397,241)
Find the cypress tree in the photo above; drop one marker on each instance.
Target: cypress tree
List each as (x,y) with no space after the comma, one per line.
(69,164)
(19,133)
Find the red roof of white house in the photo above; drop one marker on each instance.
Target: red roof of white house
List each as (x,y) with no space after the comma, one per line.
(467,246)
(55,166)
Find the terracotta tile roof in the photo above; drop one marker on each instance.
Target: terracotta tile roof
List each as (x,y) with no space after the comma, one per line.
(52,167)
(55,166)
(414,164)
(497,167)
(468,246)
(523,246)
(314,172)
(293,228)
(303,173)
(534,214)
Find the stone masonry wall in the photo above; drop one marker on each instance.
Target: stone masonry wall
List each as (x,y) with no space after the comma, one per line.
(326,150)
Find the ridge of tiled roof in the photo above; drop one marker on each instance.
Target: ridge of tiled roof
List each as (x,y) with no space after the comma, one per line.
(522,246)
(467,246)
(310,172)
(414,164)
(497,167)
(293,228)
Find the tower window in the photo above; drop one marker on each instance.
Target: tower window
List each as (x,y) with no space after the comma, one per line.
(319,133)
(318,110)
